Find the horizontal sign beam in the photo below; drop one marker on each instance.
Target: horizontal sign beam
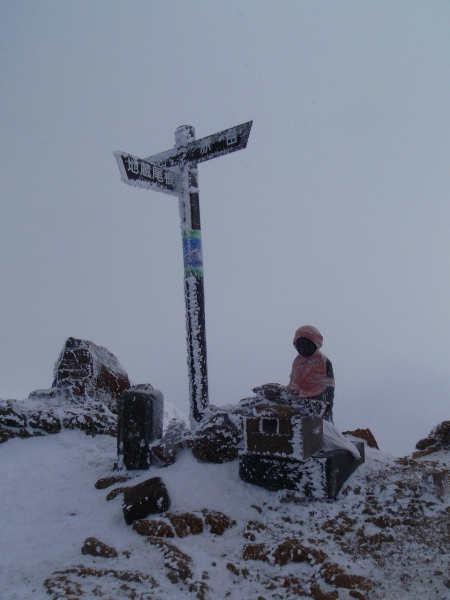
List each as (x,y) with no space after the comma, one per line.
(142,173)
(217,144)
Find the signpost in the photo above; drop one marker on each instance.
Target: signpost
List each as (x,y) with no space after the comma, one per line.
(174,172)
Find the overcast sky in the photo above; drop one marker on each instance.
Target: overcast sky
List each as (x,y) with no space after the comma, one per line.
(336,215)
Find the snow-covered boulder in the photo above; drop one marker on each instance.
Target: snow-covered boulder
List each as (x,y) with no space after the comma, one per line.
(86,372)
(217,439)
(363,434)
(145,498)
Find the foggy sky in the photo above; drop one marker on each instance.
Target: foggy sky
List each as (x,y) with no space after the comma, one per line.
(336,214)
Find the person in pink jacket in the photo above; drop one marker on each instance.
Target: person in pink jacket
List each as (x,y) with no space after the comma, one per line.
(312,372)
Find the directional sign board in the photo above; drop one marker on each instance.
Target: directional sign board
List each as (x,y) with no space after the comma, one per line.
(142,173)
(175,172)
(217,144)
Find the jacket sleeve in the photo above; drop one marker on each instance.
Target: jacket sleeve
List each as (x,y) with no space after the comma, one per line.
(329,368)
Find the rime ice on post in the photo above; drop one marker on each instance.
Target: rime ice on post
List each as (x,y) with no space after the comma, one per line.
(174,172)
(194,295)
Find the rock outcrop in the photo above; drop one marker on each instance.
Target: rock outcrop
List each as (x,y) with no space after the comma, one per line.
(88,382)
(363,434)
(87,372)
(437,439)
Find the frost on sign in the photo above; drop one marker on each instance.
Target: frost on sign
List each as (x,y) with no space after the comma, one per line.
(212,146)
(205,147)
(141,173)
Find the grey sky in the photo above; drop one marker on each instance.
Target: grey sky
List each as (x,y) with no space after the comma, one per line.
(336,214)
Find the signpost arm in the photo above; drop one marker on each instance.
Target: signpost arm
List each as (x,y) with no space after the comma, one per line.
(193,281)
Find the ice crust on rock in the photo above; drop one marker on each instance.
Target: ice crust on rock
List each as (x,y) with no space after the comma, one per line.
(85,371)
(88,380)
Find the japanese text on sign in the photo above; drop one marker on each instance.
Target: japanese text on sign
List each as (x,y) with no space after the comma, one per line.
(142,173)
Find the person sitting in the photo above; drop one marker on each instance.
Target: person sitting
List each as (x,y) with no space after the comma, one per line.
(312,372)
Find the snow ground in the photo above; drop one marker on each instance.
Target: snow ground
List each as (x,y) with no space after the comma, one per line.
(49,506)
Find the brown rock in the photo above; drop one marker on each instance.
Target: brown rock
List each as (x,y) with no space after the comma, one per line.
(357,595)
(92,422)
(335,575)
(255,552)
(364,434)
(383,521)
(438,439)
(143,499)
(114,493)
(11,418)
(231,567)
(45,420)
(277,395)
(274,392)
(155,528)
(5,435)
(95,547)
(217,443)
(217,522)
(293,550)
(106,482)
(87,371)
(24,433)
(175,560)
(251,527)
(319,594)
(200,588)
(175,438)
(185,524)
(48,394)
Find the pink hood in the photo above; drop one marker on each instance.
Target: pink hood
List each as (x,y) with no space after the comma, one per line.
(310,332)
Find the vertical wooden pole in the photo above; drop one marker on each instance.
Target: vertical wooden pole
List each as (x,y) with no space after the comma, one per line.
(193,281)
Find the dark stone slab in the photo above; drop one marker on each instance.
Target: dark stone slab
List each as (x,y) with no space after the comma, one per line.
(339,466)
(320,476)
(307,477)
(140,422)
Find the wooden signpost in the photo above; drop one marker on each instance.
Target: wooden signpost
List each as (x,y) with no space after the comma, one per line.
(174,172)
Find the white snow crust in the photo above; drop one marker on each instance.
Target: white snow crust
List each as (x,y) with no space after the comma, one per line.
(49,506)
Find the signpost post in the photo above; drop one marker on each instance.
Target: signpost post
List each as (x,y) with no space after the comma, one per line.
(174,172)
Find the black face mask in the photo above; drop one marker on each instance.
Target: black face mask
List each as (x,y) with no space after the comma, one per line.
(305,347)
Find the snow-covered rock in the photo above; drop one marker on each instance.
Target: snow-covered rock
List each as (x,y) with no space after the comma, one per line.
(88,381)
(87,372)
(438,439)
(145,498)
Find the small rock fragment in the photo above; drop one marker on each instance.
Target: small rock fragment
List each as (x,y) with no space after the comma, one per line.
(106,482)
(95,547)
